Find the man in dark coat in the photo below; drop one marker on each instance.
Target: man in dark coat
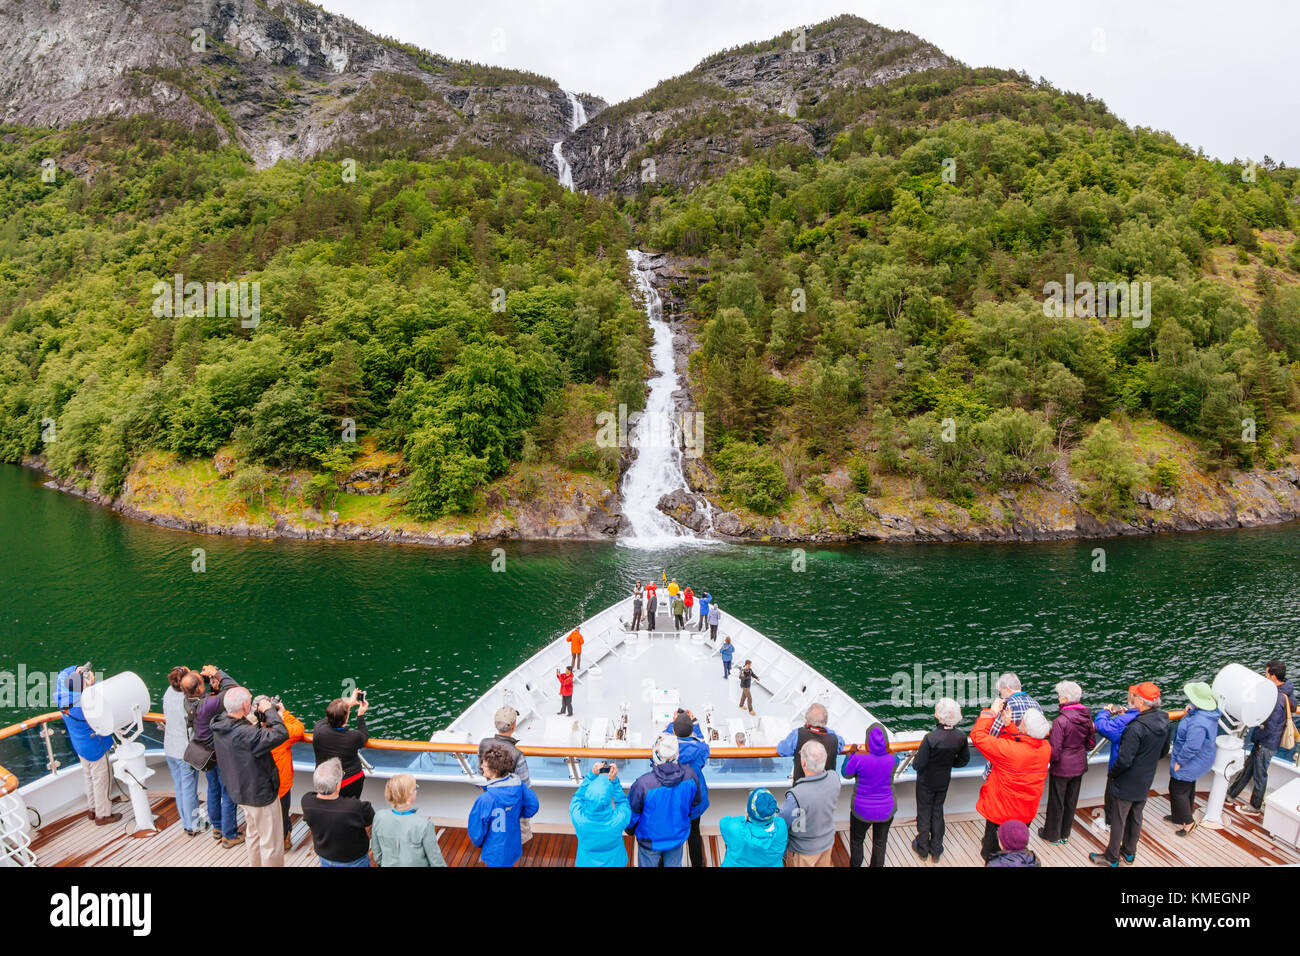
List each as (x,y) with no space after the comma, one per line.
(1145,740)
(1265,740)
(248,770)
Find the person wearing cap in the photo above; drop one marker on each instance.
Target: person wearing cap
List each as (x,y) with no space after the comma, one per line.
(942,749)
(505,720)
(1072,738)
(662,801)
(1192,754)
(1265,741)
(1111,722)
(1013,837)
(1144,741)
(809,809)
(759,837)
(600,812)
(693,752)
(1018,763)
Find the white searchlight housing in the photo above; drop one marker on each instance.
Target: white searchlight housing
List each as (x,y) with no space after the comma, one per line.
(115,707)
(1246,699)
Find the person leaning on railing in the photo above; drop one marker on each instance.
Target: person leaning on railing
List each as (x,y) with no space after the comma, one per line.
(1144,741)
(332,738)
(941,749)
(809,809)
(400,836)
(244,739)
(91,748)
(873,796)
(1192,754)
(1073,737)
(176,737)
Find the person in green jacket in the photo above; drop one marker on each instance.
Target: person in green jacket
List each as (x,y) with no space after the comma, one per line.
(759,837)
(401,837)
(600,813)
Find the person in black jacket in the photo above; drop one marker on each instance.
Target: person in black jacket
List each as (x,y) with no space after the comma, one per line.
(1145,740)
(1265,740)
(332,738)
(942,749)
(243,745)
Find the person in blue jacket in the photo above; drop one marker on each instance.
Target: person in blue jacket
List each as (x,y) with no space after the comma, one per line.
(693,752)
(1192,755)
(494,819)
(1111,722)
(727,651)
(705,600)
(600,813)
(662,801)
(91,748)
(759,837)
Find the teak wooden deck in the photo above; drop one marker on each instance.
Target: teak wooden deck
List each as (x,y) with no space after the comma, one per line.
(75,841)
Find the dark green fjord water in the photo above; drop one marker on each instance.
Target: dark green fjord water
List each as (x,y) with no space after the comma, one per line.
(427,631)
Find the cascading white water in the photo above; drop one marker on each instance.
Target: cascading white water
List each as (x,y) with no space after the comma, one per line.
(577,117)
(657,469)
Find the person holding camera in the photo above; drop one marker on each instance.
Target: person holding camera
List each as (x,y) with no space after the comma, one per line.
(1144,742)
(221,807)
(177,723)
(1018,765)
(332,738)
(91,748)
(565,677)
(283,756)
(600,812)
(244,738)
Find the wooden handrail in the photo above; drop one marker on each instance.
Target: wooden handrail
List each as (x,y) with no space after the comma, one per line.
(9,782)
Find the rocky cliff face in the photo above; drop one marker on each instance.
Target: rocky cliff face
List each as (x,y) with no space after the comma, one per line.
(282,78)
(690,129)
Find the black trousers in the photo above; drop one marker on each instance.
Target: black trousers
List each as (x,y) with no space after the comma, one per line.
(1125,828)
(651,621)
(566,705)
(1062,799)
(929,819)
(704,621)
(284,813)
(1182,800)
(858,837)
(989,846)
(353,789)
(713,632)
(695,844)
(677,620)
(636,620)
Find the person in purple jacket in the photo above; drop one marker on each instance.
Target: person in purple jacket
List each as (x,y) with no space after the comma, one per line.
(873,796)
(1072,738)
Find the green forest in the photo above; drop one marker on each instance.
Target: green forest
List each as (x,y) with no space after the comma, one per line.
(849,307)
(449,310)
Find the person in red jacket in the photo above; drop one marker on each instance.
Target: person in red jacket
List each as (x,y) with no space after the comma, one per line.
(1019,761)
(688,598)
(566,691)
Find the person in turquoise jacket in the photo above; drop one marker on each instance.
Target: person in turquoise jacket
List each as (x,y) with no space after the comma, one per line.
(758,838)
(600,813)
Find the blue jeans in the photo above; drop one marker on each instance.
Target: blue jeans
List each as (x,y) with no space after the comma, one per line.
(185,780)
(646,857)
(363,861)
(1256,773)
(221,808)
(726,669)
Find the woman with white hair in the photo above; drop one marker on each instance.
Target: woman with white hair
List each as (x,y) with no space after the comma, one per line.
(942,749)
(1072,738)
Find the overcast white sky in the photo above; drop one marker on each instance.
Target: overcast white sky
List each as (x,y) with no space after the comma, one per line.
(1220,76)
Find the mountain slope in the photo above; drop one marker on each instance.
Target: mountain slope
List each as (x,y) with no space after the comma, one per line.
(281,79)
(757,97)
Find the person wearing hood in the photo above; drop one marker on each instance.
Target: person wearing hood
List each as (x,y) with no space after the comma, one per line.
(91,748)
(705,600)
(1013,837)
(1192,754)
(873,796)
(493,823)
(1265,741)
(693,752)
(1018,763)
(1072,738)
(244,743)
(942,749)
(759,837)
(1145,741)
(600,813)
(688,599)
(662,801)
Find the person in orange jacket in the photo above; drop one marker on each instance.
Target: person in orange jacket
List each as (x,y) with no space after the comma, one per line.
(284,765)
(1019,759)
(575,646)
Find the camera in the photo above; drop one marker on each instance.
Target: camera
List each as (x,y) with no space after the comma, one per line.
(361,697)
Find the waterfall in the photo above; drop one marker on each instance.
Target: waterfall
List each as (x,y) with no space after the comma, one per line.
(657,469)
(577,117)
